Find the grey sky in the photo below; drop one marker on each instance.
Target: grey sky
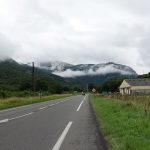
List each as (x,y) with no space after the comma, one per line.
(81,31)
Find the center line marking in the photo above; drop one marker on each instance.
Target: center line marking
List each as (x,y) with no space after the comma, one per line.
(62,137)
(81,104)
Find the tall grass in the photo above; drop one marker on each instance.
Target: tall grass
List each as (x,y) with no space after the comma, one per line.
(142,100)
(19,101)
(125,125)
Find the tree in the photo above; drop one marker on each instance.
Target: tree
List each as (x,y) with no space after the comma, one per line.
(41,84)
(78,89)
(111,85)
(56,88)
(25,85)
(91,86)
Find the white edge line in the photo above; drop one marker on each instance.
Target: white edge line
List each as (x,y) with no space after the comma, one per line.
(11,109)
(42,108)
(7,120)
(51,105)
(19,107)
(81,104)
(62,137)
(21,116)
(57,103)
(3,121)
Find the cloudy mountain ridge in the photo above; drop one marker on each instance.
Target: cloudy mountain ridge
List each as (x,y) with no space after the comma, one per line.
(55,66)
(69,71)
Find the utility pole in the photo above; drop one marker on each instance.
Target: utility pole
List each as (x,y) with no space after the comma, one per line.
(33,78)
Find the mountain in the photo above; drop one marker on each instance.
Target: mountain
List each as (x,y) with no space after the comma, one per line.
(55,66)
(53,76)
(15,76)
(90,73)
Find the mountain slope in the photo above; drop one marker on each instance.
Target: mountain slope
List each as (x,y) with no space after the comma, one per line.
(15,76)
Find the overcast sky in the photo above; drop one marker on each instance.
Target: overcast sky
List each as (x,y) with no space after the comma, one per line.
(77,31)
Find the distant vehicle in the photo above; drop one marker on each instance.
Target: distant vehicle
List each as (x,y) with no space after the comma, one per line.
(83,93)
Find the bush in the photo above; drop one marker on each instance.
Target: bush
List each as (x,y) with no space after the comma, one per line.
(23,94)
(4,94)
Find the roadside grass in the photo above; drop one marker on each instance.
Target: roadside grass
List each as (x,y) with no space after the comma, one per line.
(124,125)
(15,101)
(142,100)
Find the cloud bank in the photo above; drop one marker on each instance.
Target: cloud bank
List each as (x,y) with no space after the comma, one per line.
(7,48)
(101,71)
(76,32)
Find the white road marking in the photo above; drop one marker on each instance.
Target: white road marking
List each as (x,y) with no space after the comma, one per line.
(42,108)
(51,105)
(62,137)
(19,107)
(54,104)
(57,103)
(3,121)
(21,116)
(7,120)
(81,104)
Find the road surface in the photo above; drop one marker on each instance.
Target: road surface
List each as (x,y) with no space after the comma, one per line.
(65,124)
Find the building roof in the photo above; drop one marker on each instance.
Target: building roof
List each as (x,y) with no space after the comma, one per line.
(138,82)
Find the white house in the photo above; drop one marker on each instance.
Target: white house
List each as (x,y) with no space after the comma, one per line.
(135,86)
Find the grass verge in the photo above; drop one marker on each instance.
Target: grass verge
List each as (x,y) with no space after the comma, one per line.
(14,102)
(125,126)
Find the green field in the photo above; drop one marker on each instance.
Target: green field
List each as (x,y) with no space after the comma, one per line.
(15,101)
(125,125)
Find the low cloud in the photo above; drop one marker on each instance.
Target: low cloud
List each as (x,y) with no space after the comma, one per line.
(7,48)
(101,71)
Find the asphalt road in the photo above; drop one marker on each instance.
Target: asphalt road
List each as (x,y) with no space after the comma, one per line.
(65,124)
